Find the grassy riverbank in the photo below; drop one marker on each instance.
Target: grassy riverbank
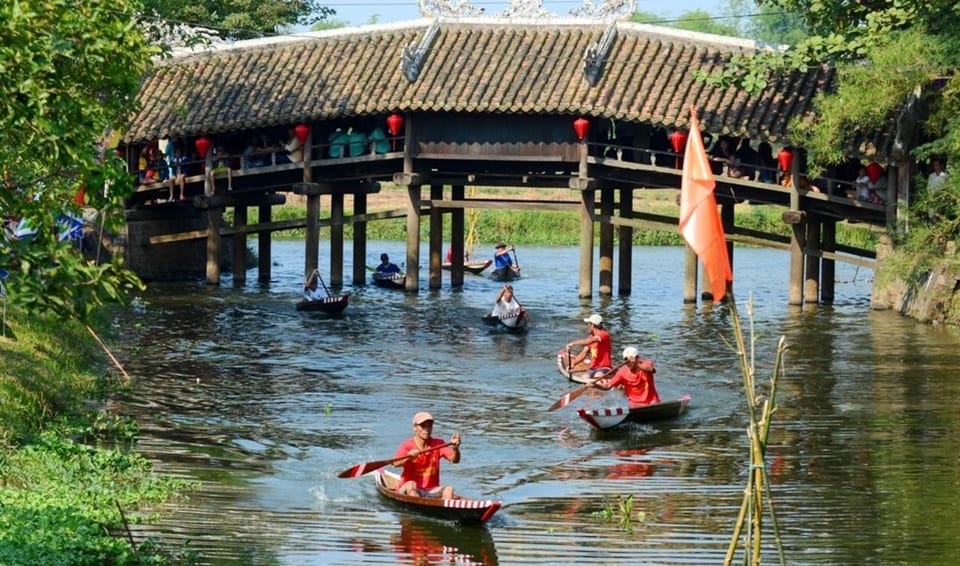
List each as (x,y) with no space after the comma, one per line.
(550,228)
(70,483)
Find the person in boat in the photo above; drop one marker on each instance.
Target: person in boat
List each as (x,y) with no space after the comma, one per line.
(596,346)
(636,379)
(310,291)
(421,472)
(501,258)
(385,267)
(506,304)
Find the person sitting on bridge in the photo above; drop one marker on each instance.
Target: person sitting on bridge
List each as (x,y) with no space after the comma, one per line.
(221,165)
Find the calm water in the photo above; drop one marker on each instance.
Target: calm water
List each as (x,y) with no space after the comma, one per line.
(264,405)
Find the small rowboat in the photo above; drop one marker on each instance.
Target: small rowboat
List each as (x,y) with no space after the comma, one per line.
(605,419)
(578,373)
(474,267)
(389,280)
(515,324)
(504,274)
(329,305)
(460,509)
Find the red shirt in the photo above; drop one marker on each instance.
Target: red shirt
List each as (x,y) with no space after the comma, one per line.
(424,469)
(600,351)
(638,385)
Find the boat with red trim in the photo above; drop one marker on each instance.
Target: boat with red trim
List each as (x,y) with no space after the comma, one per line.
(329,305)
(515,324)
(460,509)
(389,280)
(578,373)
(613,417)
(475,267)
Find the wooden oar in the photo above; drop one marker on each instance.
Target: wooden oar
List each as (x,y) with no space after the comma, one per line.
(320,277)
(366,468)
(569,397)
(523,310)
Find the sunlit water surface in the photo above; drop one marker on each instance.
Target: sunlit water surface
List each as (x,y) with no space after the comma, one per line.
(264,405)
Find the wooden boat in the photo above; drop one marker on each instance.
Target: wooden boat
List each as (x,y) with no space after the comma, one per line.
(389,280)
(474,267)
(515,324)
(504,274)
(460,509)
(578,373)
(612,417)
(329,305)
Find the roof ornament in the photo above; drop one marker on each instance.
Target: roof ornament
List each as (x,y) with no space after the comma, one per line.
(412,58)
(448,8)
(596,55)
(525,9)
(619,9)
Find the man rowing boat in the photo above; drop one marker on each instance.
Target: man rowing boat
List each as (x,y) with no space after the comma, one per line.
(596,345)
(420,459)
(636,379)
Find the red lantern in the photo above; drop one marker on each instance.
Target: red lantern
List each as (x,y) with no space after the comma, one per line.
(301,131)
(678,140)
(203,145)
(394,123)
(785,159)
(874,171)
(580,127)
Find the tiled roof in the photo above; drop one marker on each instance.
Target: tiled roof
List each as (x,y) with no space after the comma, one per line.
(473,65)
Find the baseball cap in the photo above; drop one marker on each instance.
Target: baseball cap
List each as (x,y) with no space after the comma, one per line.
(422,417)
(500,245)
(630,352)
(594,319)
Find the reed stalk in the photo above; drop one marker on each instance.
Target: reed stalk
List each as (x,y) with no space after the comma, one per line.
(756,494)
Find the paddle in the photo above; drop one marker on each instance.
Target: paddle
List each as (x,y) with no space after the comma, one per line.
(523,311)
(516,261)
(320,277)
(366,468)
(569,397)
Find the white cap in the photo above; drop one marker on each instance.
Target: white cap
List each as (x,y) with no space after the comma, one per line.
(422,417)
(631,352)
(594,319)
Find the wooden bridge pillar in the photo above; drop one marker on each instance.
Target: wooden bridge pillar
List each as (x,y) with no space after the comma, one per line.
(359,239)
(828,267)
(263,245)
(239,246)
(690,267)
(311,254)
(728,220)
(412,282)
(795,295)
(457,237)
(587,198)
(606,243)
(435,273)
(811,287)
(626,244)
(336,239)
(214,214)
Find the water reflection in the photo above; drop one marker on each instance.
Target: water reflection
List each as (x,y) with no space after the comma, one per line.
(425,542)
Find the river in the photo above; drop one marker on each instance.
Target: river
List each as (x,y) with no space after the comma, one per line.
(264,405)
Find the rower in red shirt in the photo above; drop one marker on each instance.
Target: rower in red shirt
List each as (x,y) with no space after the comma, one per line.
(636,379)
(421,472)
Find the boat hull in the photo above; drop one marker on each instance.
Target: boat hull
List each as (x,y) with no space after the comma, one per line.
(330,305)
(504,274)
(613,417)
(578,373)
(390,281)
(513,324)
(474,267)
(460,509)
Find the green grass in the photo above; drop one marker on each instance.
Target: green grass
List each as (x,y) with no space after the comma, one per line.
(66,466)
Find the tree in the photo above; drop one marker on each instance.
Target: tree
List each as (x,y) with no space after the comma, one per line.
(692,20)
(238,19)
(72,69)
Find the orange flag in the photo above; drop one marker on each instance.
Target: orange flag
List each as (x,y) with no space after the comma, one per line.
(699,220)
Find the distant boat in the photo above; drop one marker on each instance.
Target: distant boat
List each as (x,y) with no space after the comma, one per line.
(474,267)
(389,280)
(504,274)
(515,324)
(329,305)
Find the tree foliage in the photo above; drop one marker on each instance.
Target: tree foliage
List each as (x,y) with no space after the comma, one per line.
(238,19)
(70,69)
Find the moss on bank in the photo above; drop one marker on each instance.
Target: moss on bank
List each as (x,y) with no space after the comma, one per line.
(69,481)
